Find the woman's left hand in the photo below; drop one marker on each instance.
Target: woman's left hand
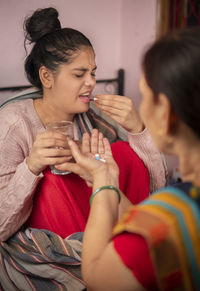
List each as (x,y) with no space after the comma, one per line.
(122,110)
(87,166)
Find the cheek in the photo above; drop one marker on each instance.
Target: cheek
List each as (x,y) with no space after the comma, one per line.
(68,89)
(144,111)
(148,116)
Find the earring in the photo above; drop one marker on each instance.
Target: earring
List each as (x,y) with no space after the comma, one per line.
(169,140)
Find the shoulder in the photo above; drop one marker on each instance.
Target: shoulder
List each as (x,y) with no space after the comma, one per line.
(16,108)
(176,191)
(162,205)
(13,114)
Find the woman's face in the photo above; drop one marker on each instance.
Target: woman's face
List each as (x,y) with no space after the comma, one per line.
(73,84)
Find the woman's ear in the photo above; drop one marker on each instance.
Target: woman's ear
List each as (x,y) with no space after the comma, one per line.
(46,77)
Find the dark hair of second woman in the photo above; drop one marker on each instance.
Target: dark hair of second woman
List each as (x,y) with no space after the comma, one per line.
(53,45)
(170,69)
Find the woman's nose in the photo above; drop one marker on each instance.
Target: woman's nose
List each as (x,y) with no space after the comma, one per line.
(90,81)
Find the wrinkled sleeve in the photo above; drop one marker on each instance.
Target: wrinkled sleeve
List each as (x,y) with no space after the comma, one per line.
(145,148)
(17,182)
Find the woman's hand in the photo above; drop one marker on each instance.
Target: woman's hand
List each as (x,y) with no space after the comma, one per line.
(76,168)
(49,148)
(122,110)
(86,163)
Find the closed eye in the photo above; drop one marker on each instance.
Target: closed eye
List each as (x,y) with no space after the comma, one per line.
(93,74)
(81,72)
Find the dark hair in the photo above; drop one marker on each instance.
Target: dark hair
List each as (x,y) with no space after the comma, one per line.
(53,45)
(172,66)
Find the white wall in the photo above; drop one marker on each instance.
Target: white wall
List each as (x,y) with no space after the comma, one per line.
(99,20)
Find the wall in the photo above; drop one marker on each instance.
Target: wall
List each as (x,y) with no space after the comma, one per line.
(99,20)
(138,29)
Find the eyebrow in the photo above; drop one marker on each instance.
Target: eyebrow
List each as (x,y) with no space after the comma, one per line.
(83,69)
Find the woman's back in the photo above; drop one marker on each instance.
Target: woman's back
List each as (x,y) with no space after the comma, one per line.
(169,224)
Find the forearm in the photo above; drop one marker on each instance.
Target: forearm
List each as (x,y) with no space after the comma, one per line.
(123,205)
(16,192)
(102,218)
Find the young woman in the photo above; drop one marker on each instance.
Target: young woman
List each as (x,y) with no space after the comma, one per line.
(61,66)
(156,245)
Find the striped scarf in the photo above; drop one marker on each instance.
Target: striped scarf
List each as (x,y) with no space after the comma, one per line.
(170,222)
(36,259)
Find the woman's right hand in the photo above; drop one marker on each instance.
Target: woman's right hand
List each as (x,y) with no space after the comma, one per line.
(122,110)
(49,148)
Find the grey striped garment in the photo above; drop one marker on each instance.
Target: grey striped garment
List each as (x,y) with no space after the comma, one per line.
(34,259)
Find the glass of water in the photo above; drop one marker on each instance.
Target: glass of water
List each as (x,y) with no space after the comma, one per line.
(66,128)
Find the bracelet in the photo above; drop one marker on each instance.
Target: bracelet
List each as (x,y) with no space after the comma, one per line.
(105,187)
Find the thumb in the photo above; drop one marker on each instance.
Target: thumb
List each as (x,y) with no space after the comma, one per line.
(75,150)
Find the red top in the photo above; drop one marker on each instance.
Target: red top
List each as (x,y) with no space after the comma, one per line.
(134,252)
(61,203)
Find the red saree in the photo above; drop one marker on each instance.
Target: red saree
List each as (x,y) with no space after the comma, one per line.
(61,203)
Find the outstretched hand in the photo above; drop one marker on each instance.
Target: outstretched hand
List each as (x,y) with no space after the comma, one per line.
(87,164)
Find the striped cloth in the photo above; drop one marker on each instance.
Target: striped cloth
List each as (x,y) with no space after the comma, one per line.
(41,260)
(170,222)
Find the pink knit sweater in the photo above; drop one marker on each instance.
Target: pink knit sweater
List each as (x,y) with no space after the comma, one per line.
(18,128)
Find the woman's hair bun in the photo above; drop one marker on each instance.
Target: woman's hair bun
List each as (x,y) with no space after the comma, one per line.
(41,22)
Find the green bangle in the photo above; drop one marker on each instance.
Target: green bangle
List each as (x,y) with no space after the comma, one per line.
(105,187)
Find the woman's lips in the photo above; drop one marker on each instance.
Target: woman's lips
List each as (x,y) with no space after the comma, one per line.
(85,98)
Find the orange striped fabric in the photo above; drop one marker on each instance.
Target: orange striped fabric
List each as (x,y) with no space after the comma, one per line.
(170,222)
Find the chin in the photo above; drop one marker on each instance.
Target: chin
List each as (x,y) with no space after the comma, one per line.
(83,109)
